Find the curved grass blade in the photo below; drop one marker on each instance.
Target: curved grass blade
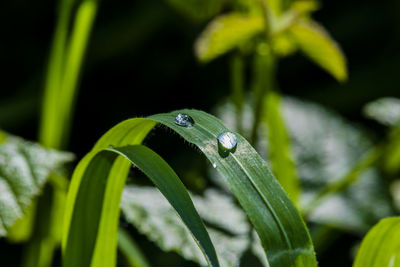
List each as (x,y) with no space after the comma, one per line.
(381,246)
(280,227)
(89,217)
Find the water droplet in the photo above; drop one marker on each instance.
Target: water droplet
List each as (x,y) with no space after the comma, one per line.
(214,165)
(227,143)
(184,120)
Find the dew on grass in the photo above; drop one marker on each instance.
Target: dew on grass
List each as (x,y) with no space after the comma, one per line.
(184,120)
(227,143)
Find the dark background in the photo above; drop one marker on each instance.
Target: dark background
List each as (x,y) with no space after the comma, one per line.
(140,61)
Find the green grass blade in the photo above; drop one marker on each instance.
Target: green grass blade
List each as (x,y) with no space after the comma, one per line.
(130,250)
(381,246)
(93,202)
(49,118)
(84,20)
(280,227)
(90,235)
(165,179)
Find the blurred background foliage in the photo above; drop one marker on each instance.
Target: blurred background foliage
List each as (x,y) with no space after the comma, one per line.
(141,60)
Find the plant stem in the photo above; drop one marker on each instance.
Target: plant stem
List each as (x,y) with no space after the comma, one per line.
(263,76)
(237,85)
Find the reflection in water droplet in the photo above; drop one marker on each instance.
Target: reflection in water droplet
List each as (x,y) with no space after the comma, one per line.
(184,120)
(214,165)
(227,142)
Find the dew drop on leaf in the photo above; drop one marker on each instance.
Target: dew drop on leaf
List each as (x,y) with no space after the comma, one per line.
(184,120)
(214,165)
(227,143)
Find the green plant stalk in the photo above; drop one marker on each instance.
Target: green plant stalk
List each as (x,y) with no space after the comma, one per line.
(279,146)
(237,85)
(130,250)
(263,77)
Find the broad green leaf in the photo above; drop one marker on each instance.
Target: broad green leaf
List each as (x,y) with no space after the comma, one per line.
(130,250)
(381,246)
(197,10)
(316,43)
(282,231)
(151,214)
(225,33)
(24,169)
(384,110)
(91,233)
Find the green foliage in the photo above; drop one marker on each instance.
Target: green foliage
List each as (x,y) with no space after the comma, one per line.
(24,169)
(316,43)
(381,246)
(225,33)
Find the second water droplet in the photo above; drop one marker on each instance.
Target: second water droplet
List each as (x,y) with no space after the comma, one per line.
(227,143)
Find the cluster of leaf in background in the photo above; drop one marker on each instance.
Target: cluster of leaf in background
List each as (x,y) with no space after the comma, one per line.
(331,171)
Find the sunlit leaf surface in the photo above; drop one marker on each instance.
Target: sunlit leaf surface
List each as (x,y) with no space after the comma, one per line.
(316,43)
(225,33)
(381,246)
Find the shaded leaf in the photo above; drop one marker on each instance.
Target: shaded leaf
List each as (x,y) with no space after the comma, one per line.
(225,33)
(319,46)
(24,169)
(384,110)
